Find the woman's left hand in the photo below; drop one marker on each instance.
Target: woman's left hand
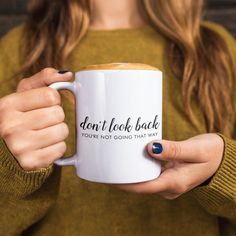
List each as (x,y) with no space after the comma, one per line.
(189,163)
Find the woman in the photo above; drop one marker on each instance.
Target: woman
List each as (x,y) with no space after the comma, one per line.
(197,59)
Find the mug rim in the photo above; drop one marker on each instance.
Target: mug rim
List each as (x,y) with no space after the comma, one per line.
(119,66)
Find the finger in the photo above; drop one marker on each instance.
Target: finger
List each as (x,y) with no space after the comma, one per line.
(172,181)
(33,99)
(45,117)
(42,158)
(44,78)
(169,196)
(49,136)
(155,186)
(187,150)
(33,140)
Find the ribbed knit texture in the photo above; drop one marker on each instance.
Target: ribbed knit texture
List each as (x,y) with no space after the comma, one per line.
(222,188)
(32,180)
(54,201)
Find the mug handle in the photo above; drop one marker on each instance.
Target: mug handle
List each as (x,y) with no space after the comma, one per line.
(71,87)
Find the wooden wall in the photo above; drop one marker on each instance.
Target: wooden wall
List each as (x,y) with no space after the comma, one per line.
(13,12)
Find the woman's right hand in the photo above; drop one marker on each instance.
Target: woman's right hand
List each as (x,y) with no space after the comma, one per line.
(32,121)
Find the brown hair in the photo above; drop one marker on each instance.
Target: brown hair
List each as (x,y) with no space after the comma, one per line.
(56,27)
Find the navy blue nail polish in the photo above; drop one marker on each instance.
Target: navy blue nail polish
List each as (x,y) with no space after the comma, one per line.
(62,72)
(157,148)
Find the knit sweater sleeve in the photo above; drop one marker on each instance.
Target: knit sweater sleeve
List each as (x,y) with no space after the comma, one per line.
(218,197)
(25,195)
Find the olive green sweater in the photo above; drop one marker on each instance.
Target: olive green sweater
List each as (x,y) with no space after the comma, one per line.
(54,201)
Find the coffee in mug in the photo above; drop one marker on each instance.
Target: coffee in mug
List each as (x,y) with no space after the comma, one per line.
(118,111)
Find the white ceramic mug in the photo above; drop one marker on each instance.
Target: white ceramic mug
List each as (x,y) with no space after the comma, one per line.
(118,111)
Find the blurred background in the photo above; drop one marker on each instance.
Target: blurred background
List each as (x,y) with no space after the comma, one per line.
(12,12)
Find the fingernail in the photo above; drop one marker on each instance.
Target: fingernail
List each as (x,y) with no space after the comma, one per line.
(157,148)
(63,72)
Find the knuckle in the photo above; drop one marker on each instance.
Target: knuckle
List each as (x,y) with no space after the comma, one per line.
(7,132)
(27,163)
(22,85)
(5,103)
(58,113)
(64,130)
(31,164)
(3,129)
(174,150)
(2,105)
(13,138)
(51,96)
(16,147)
(46,72)
(61,149)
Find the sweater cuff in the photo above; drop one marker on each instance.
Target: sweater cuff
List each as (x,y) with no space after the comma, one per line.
(13,174)
(222,186)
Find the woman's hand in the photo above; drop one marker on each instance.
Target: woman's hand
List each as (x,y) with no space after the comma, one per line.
(31,121)
(189,164)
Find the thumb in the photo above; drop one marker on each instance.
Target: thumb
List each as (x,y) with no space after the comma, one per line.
(44,78)
(173,150)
